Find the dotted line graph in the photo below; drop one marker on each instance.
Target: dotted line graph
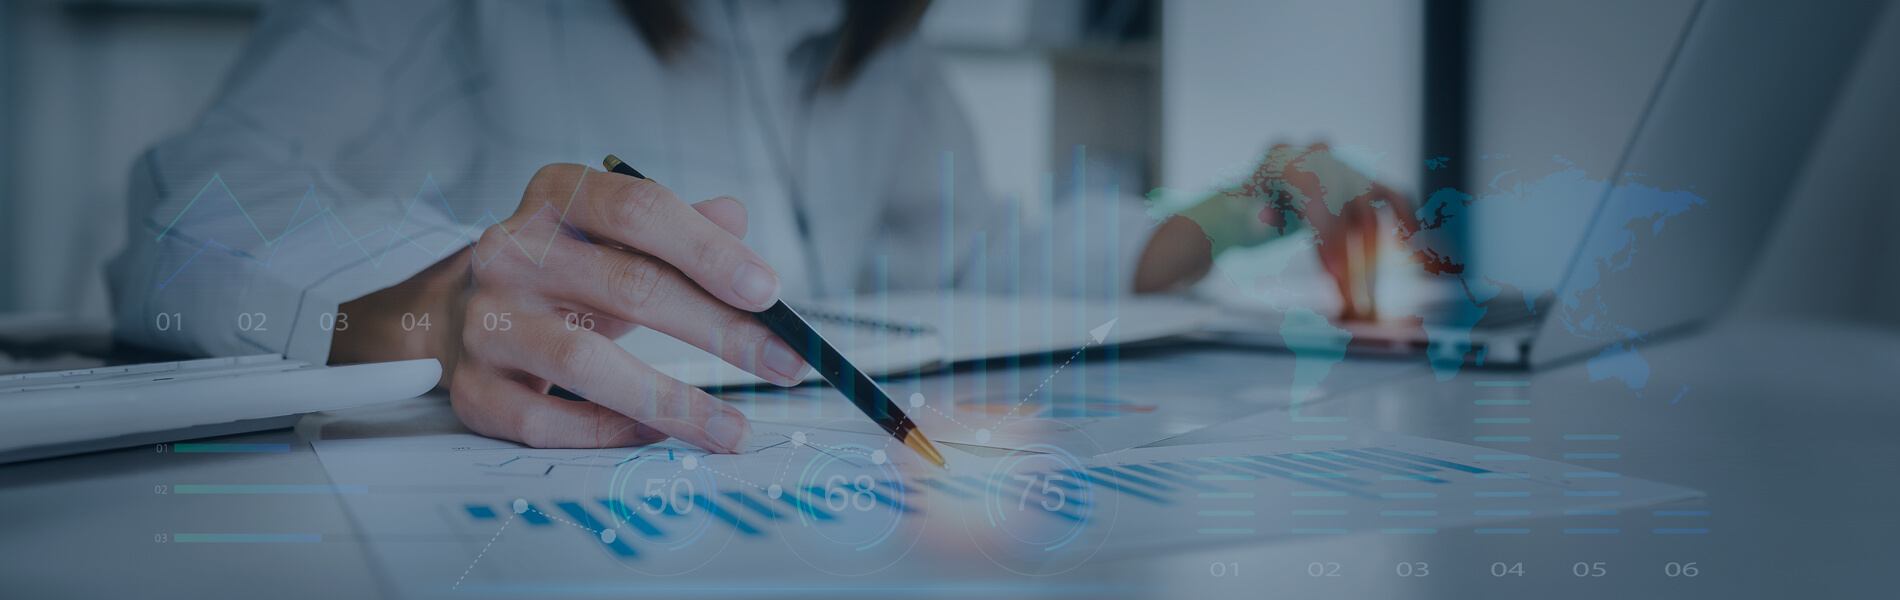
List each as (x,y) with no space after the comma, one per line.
(1045,381)
(484,552)
(1096,336)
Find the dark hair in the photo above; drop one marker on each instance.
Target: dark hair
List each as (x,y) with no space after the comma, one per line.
(869,26)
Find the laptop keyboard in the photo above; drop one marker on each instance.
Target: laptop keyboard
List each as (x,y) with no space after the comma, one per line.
(147,373)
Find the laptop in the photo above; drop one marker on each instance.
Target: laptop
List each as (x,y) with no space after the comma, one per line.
(1731,121)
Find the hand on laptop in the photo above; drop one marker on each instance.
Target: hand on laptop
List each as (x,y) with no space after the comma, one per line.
(539,299)
(1289,186)
(1341,205)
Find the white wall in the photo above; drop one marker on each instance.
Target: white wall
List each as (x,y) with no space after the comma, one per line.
(1005,85)
(1240,75)
(1010,98)
(91,88)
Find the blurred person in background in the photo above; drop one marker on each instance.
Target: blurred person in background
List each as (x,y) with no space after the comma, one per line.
(811,134)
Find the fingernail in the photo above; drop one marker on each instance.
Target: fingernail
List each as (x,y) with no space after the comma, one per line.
(780,359)
(730,430)
(756,285)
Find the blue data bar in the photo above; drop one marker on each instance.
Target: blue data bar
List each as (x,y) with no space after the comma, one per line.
(1170,477)
(1254,465)
(891,501)
(535,517)
(1098,482)
(587,521)
(1426,460)
(754,505)
(1178,468)
(1281,464)
(790,497)
(724,515)
(1342,459)
(1155,485)
(627,515)
(1388,461)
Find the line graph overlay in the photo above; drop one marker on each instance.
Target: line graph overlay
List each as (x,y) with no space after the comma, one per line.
(342,237)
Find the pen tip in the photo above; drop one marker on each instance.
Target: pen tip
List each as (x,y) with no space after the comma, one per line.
(917,442)
(611,162)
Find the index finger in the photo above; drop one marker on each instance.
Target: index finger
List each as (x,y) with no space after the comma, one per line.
(648,217)
(1400,206)
(594,368)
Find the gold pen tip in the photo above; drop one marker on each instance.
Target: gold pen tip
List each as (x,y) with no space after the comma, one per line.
(611,162)
(922,446)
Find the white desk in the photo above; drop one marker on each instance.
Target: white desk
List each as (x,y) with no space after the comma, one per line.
(1786,426)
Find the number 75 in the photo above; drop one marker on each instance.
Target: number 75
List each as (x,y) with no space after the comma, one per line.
(1048,488)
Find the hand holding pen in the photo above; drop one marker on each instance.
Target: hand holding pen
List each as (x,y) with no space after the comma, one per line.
(857,387)
(539,299)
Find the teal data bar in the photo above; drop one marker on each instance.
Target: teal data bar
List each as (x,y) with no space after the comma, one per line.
(269,489)
(203,448)
(247,538)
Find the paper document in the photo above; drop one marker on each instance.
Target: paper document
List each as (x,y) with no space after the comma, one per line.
(1079,401)
(443,513)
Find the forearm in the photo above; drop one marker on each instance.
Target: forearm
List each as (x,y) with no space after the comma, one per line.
(389,324)
(1178,254)
(1183,248)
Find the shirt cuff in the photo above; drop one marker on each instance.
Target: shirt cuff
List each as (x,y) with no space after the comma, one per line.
(316,318)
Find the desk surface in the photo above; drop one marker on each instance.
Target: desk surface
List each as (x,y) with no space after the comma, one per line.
(1785,425)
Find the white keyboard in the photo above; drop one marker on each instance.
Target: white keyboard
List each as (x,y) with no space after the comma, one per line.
(82,410)
(146,373)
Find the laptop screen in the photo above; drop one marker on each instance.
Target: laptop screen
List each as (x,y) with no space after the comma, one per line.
(1704,175)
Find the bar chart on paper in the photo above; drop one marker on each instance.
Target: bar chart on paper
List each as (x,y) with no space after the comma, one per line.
(811,500)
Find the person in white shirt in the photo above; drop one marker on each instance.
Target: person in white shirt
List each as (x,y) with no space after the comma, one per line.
(414,163)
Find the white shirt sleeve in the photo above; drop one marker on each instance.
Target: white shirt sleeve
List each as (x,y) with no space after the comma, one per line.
(248,230)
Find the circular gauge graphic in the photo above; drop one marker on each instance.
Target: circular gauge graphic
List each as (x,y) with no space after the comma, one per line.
(848,508)
(1042,513)
(664,518)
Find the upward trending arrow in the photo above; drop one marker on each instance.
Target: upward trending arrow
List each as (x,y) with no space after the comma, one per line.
(1097,334)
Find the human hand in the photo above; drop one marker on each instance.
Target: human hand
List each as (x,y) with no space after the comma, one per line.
(546,296)
(1341,205)
(1292,184)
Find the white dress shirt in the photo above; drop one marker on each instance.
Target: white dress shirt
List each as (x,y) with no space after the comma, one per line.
(357,142)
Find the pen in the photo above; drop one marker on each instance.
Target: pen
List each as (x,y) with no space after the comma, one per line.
(830,364)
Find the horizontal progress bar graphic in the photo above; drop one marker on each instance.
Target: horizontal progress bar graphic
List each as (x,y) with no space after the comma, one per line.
(269,489)
(220,448)
(247,538)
